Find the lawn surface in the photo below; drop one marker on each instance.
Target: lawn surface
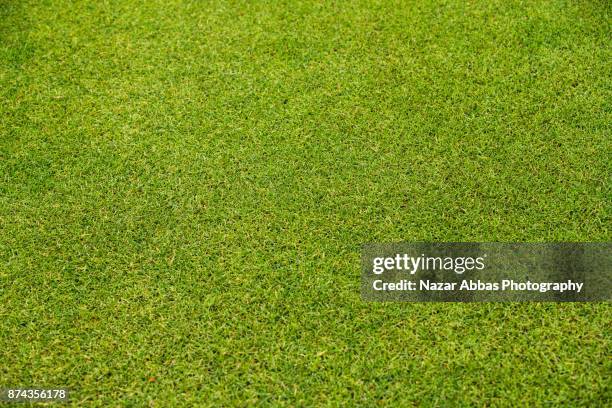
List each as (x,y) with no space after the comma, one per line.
(185,187)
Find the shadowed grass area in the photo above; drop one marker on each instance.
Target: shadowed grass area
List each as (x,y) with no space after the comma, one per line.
(185,187)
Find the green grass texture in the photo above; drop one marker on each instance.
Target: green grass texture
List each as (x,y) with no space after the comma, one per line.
(185,188)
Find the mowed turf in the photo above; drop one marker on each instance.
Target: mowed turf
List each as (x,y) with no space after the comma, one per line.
(185,187)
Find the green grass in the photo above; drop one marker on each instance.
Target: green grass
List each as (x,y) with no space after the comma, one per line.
(185,187)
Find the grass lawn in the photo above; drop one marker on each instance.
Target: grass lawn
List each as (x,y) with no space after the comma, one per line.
(185,187)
